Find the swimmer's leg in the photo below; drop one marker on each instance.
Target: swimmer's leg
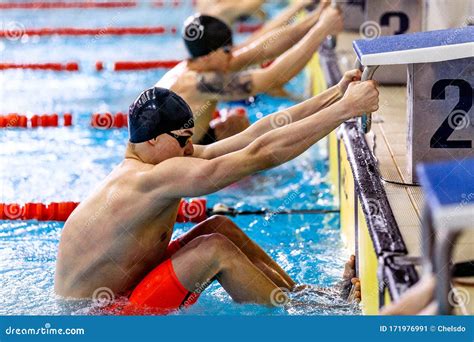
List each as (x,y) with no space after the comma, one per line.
(223,225)
(214,256)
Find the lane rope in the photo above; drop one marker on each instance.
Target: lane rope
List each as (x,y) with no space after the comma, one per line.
(69,66)
(105,31)
(48,5)
(15,120)
(34,5)
(94,31)
(194,210)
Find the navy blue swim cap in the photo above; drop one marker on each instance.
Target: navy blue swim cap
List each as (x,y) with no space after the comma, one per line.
(157,111)
(203,34)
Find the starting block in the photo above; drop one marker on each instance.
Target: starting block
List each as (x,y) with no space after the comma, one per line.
(439,90)
(449,210)
(387,18)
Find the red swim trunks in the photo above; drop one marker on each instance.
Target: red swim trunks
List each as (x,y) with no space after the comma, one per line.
(161,291)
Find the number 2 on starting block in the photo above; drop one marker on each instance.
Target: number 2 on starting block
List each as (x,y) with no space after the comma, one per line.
(441,119)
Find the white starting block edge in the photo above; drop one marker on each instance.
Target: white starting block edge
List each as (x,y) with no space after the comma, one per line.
(420,47)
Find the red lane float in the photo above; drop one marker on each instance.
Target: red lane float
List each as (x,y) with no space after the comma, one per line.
(66,4)
(55,211)
(161,3)
(192,211)
(15,120)
(144,65)
(97,31)
(109,120)
(70,66)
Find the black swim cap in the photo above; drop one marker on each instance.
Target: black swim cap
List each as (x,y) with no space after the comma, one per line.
(203,34)
(157,111)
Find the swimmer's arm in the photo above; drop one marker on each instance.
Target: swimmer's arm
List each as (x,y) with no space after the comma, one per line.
(239,85)
(230,11)
(269,122)
(190,177)
(280,20)
(273,43)
(289,64)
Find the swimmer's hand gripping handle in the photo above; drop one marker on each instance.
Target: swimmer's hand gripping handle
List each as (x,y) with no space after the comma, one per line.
(365,121)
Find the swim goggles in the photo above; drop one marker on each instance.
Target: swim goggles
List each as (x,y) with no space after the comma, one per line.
(182,139)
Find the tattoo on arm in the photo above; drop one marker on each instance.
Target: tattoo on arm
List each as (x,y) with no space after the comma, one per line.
(233,84)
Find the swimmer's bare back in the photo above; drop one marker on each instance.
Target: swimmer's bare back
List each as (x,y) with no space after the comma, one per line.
(115,236)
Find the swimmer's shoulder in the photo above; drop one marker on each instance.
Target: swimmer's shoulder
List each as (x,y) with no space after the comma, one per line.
(177,77)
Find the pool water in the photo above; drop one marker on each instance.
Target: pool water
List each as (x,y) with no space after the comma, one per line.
(65,164)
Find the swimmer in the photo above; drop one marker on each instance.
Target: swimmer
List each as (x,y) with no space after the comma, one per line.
(217,70)
(119,237)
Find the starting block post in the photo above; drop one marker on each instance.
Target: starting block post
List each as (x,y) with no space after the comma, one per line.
(439,91)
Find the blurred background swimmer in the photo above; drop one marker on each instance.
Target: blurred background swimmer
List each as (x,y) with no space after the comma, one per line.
(219,71)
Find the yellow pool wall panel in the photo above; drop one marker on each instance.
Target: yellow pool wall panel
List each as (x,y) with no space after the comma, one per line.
(333,153)
(347,201)
(367,267)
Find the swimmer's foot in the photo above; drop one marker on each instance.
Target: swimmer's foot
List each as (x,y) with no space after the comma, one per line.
(355,293)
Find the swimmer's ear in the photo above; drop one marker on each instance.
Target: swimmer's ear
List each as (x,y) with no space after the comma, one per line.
(153,141)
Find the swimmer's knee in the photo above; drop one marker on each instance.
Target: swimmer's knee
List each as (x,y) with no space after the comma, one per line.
(217,248)
(220,221)
(225,226)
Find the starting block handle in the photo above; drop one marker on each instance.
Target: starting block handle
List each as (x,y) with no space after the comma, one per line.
(365,121)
